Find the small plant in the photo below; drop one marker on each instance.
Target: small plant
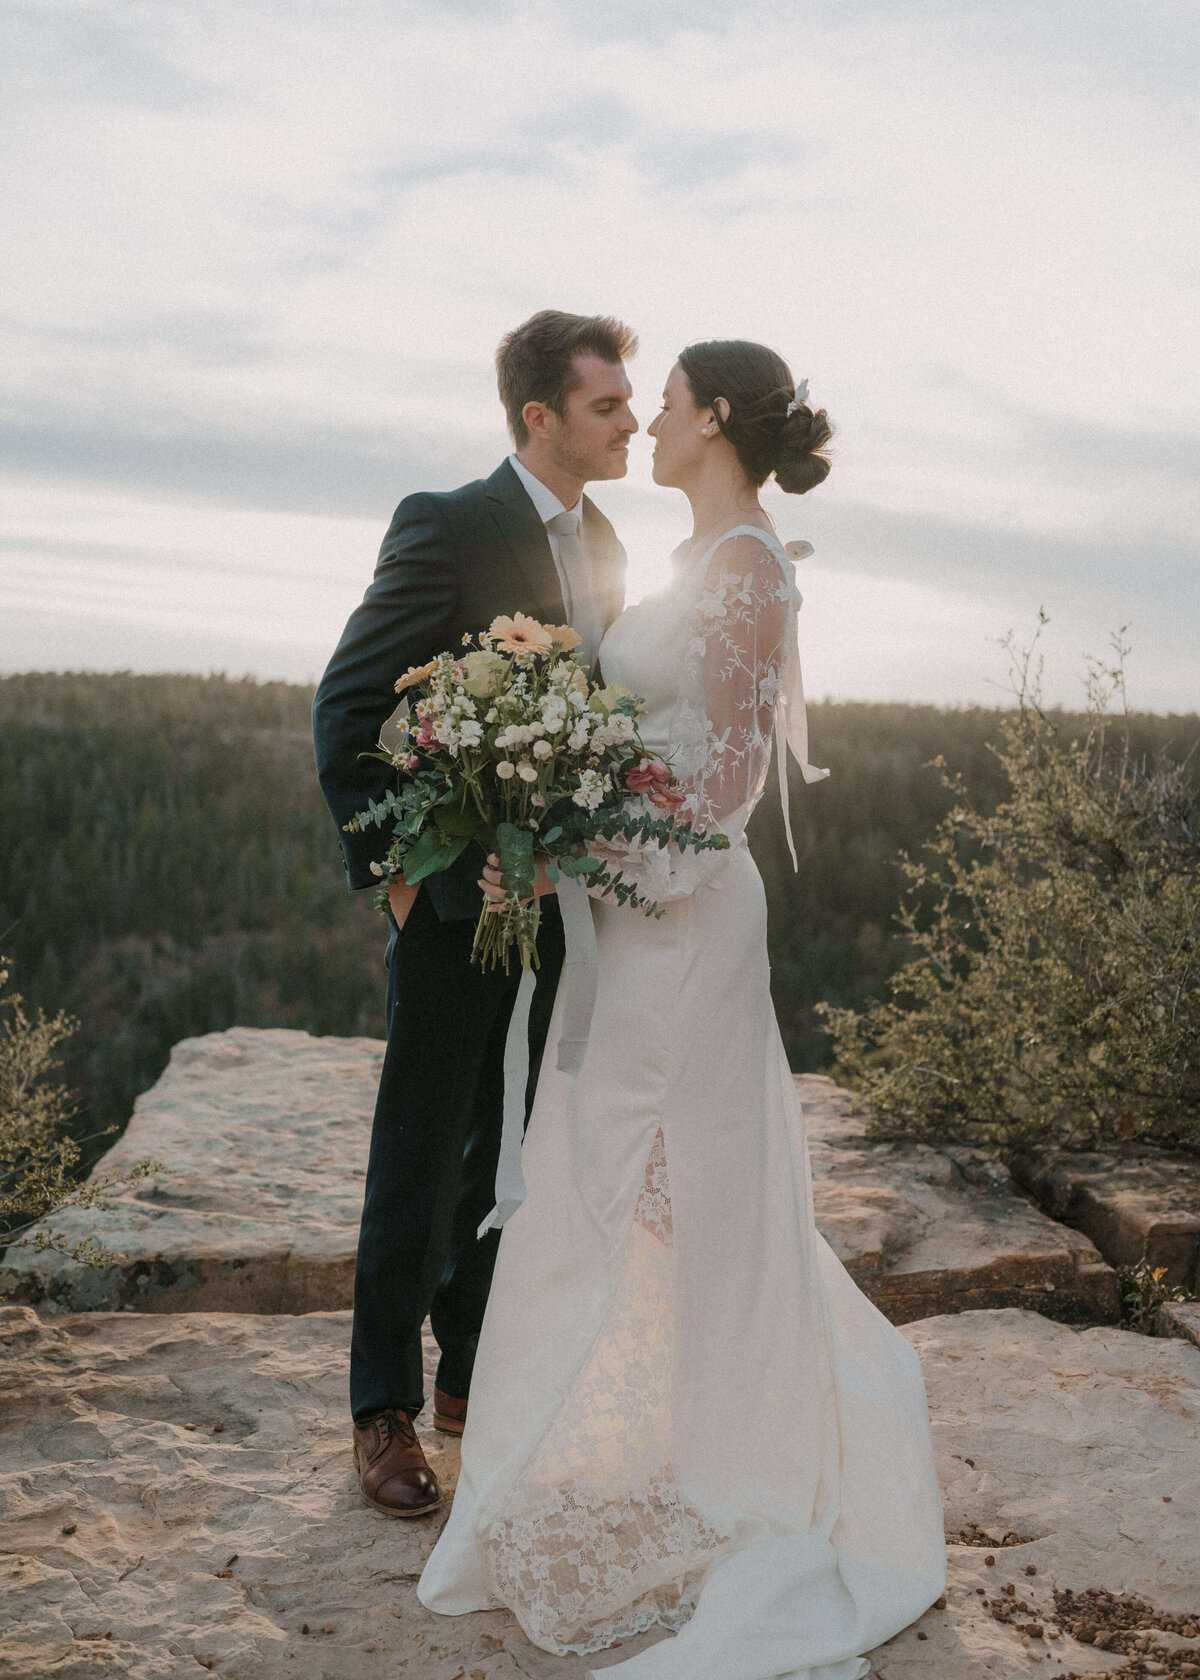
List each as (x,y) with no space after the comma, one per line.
(1143,1292)
(38,1157)
(1053,987)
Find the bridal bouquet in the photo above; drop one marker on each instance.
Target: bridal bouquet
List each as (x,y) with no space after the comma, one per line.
(508,744)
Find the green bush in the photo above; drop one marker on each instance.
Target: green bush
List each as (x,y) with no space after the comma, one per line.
(39,1161)
(1051,991)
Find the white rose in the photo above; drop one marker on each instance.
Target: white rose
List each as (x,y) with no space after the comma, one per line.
(542,749)
(526,772)
(505,770)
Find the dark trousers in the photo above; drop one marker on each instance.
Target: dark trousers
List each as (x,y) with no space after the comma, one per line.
(434,1147)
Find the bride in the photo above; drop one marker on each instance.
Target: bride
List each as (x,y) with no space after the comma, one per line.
(683,1412)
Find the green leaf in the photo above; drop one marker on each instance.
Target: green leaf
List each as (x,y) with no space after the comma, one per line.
(434,851)
(455,822)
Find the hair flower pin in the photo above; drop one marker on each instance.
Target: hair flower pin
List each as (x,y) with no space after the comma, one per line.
(800,398)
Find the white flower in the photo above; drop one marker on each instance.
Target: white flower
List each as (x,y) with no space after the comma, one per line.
(377,869)
(577,740)
(542,749)
(591,790)
(491,716)
(536,729)
(620,727)
(536,799)
(471,733)
(527,772)
(505,770)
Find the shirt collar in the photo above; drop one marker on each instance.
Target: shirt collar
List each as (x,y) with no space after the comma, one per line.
(544,500)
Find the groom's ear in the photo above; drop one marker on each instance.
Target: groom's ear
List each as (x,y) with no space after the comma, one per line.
(539,419)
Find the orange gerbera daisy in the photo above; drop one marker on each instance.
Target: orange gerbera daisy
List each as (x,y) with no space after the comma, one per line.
(520,634)
(415,674)
(564,637)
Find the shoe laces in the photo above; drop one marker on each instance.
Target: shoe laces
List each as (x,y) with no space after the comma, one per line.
(397,1425)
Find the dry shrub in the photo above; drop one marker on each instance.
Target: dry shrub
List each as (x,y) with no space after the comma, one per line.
(1052,987)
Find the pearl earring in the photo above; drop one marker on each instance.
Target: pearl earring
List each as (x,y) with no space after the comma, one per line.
(707,431)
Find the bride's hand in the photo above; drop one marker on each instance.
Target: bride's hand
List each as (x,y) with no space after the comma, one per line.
(491,881)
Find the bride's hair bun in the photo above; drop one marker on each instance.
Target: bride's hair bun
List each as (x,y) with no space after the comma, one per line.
(800,461)
(758,386)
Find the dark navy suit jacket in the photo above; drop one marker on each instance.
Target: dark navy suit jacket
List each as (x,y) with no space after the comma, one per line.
(450,562)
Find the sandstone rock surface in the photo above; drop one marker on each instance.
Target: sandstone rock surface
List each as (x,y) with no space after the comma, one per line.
(925,1231)
(1180,1318)
(1135,1204)
(266,1133)
(139,1547)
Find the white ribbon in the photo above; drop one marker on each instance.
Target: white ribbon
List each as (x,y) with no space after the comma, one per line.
(580,969)
(510,1180)
(791,714)
(581,966)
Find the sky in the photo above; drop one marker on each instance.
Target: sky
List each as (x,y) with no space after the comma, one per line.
(258,256)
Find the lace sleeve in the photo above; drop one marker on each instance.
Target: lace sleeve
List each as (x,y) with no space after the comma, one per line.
(733,673)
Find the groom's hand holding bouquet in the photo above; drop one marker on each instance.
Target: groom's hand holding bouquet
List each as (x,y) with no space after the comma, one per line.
(510,746)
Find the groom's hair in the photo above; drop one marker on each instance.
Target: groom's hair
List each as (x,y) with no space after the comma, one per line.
(536,361)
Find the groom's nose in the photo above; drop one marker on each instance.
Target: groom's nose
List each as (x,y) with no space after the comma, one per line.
(628,422)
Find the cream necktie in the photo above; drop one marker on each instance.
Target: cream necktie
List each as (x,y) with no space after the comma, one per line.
(579,597)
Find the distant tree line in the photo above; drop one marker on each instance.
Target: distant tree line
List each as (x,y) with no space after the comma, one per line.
(167,865)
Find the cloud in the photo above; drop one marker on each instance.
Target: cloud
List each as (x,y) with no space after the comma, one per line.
(259,257)
(92,55)
(319,469)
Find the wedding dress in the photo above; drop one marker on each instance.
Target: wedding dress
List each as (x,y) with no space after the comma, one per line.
(683,1412)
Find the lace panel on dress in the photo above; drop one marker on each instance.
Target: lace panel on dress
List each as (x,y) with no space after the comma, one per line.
(596,1543)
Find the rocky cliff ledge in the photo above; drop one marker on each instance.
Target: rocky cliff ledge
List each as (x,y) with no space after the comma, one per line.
(265,1134)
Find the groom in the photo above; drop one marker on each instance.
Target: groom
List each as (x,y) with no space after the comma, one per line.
(526,539)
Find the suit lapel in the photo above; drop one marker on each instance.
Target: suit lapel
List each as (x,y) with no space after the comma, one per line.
(519,525)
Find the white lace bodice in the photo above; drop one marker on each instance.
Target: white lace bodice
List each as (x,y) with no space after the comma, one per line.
(714,655)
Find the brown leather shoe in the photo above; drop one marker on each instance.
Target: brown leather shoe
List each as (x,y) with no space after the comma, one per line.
(449,1414)
(392,1471)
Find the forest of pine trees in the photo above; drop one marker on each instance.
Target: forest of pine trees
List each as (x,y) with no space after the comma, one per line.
(167,865)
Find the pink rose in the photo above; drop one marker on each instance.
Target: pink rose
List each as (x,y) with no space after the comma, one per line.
(667,799)
(650,776)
